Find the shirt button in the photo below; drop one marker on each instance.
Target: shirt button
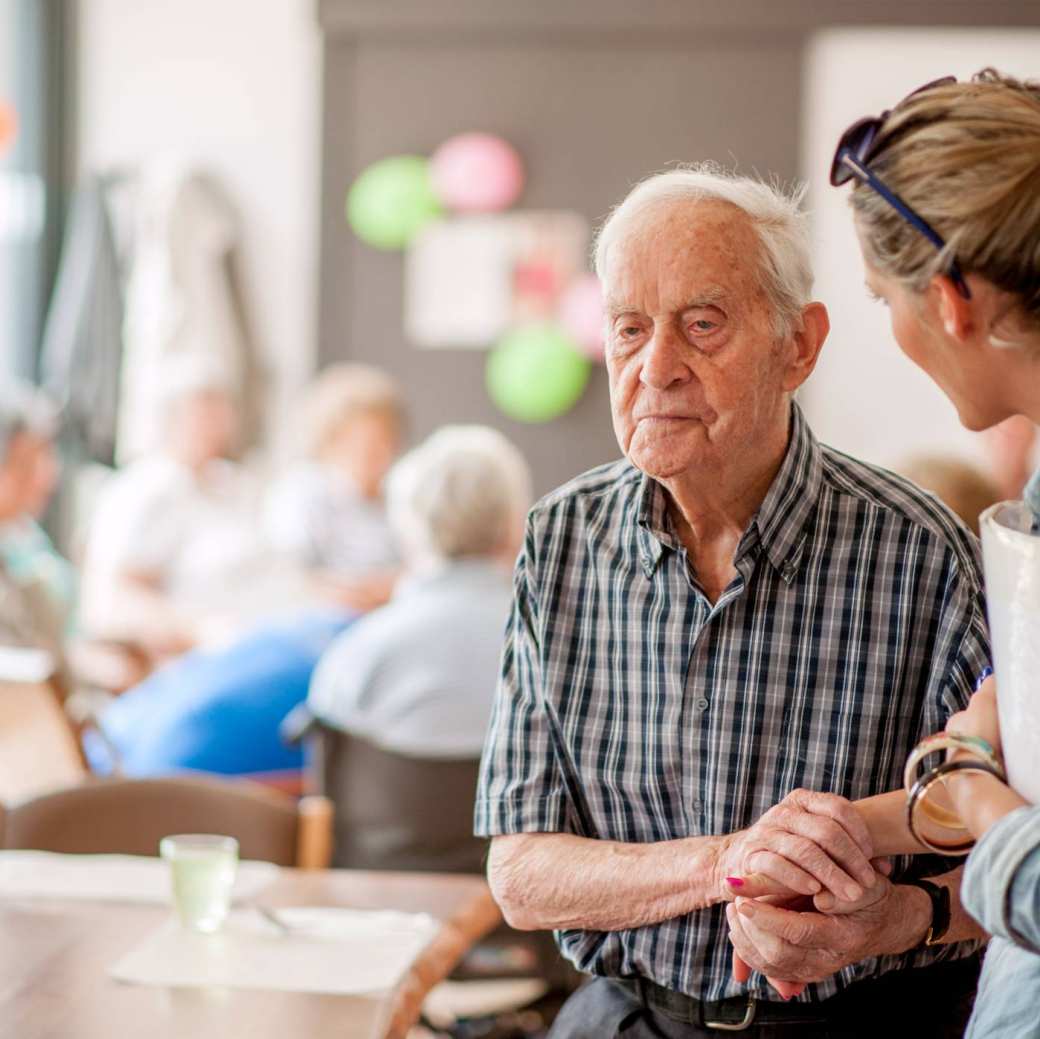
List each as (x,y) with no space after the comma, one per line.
(698,806)
(702,704)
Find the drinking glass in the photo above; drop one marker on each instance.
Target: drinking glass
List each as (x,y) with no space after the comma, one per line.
(202,866)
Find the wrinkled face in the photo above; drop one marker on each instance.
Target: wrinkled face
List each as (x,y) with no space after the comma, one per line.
(694,364)
(973,385)
(365,447)
(203,426)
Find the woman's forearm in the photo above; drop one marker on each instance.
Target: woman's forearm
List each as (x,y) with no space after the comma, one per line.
(885,816)
(979,799)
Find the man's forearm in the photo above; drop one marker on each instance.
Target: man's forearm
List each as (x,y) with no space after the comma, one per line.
(548,881)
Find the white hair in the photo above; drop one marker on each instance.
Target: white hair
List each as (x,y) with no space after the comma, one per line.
(776,216)
(463,492)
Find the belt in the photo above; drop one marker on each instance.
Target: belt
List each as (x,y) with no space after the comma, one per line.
(742,1012)
(725,1015)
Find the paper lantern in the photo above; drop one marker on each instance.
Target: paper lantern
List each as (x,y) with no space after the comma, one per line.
(477,173)
(581,314)
(536,373)
(391,201)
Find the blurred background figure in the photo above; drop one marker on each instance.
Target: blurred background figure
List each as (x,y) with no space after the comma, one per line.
(328,512)
(418,675)
(37,585)
(966,490)
(173,538)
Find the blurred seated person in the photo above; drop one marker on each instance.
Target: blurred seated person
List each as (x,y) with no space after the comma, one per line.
(418,676)
(328,513)
(174,557)
(38,586)
(961,487)
(217,710)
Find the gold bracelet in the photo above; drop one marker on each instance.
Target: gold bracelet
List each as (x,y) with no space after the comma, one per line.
(920,792)
(974,745)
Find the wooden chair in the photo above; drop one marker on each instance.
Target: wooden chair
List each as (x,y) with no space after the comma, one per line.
(130,816)
(39,751)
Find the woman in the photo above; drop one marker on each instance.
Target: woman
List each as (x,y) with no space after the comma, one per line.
(328,512)
(946,203)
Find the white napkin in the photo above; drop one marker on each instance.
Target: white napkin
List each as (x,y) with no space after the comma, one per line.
(108,878)
(330,950)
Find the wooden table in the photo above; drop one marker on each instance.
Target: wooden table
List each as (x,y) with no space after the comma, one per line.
(54,955)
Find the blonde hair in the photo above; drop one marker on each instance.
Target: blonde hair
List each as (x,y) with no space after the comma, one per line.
(775,214)
(966,157)
(343,392)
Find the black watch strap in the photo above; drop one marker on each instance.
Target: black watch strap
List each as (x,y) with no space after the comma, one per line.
(940,897)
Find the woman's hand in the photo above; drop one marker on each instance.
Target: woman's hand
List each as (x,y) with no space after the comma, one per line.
(980,717)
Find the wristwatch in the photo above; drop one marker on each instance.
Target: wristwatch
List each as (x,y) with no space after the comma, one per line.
(940,897)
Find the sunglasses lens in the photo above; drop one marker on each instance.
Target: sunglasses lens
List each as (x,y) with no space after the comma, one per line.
(855,141)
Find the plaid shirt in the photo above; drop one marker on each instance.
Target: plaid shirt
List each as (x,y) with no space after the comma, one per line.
(632,709)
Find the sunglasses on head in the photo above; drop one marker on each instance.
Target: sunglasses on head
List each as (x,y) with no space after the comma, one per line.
(850,160)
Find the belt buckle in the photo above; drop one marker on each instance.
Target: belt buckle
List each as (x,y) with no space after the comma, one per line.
(738,1026)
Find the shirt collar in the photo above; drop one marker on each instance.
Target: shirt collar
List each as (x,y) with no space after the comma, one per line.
(783,517)
(781,523)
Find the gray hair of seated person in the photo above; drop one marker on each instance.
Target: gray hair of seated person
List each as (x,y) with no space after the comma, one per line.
(775,214)
(462,493)
(24,409)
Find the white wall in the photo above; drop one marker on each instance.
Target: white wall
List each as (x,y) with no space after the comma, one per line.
(235,86)
(866,397)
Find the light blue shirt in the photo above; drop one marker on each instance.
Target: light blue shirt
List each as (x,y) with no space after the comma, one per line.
(418,676)
(1001,889)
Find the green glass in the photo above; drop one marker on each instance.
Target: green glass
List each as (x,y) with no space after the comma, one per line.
(202,867)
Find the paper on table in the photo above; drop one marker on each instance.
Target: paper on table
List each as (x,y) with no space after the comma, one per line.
(329,950)
(108,878)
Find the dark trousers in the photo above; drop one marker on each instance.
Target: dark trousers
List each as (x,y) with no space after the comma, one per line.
(929,1003)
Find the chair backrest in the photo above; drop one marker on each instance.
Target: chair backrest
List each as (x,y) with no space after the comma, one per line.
(38,748)
(131,816)
(396,812)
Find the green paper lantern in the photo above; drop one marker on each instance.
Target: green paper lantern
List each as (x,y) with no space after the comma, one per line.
(391,201)
(536,373)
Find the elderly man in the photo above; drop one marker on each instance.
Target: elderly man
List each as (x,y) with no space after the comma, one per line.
(732,617)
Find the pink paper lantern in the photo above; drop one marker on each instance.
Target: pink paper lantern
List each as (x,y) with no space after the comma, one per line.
(476,173)
(581,313)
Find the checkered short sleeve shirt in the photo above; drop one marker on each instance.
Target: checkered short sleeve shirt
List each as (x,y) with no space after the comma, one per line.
(631,708)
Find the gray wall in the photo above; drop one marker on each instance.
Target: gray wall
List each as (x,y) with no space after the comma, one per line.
(595,94)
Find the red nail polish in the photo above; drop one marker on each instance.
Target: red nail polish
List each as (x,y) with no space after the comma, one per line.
(734,881)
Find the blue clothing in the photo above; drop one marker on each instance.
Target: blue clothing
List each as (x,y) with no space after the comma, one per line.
(217,711)
(1001,889)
